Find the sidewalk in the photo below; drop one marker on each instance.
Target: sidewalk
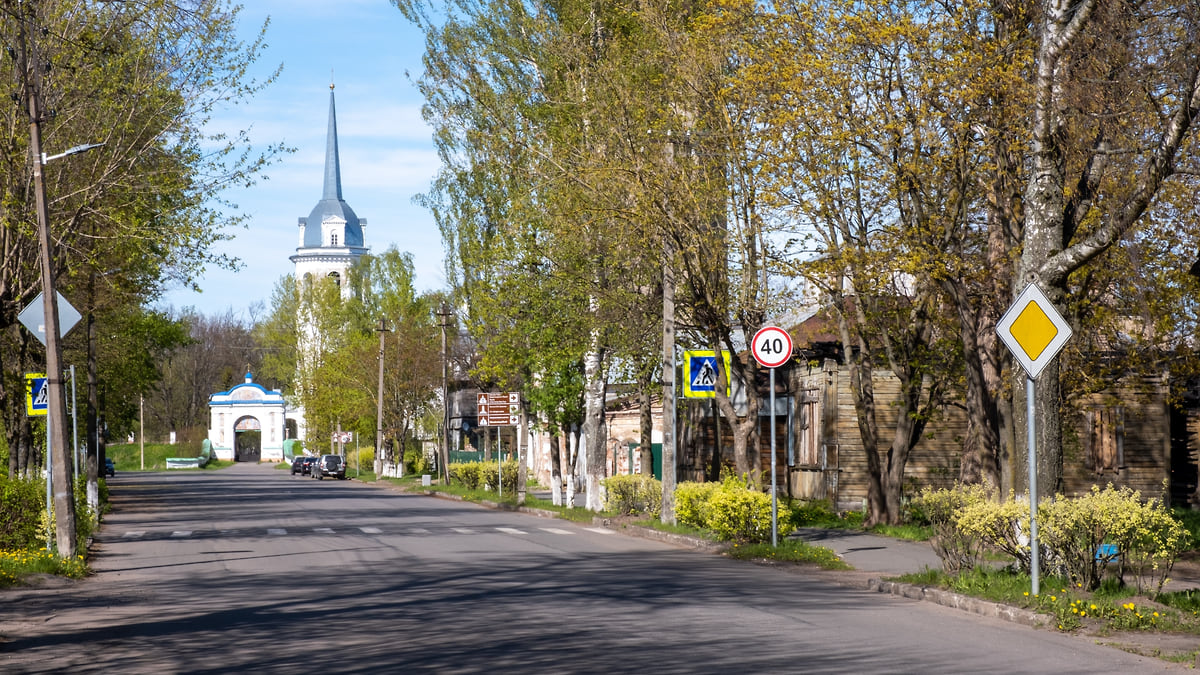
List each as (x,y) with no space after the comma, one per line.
(873,553)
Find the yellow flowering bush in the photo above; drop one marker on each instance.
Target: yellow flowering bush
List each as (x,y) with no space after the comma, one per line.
(692,501)
(732,511)
(633,494)
(1145,540)
(957,550)
(1000,526)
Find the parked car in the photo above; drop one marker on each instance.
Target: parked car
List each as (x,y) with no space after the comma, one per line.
(303,464)
(110,469)
(330,465)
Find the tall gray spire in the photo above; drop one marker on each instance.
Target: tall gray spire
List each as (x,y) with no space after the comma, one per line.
(333,169)
(332,205)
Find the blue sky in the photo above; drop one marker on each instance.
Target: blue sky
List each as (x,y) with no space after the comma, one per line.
(386,149)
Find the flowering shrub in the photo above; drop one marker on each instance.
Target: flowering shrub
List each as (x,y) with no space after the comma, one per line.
(468,474)
(22,502)
(1078,538)
(957,549)
(1000,526)
(633,494)
(692,502)
(731,510)
(1145,538)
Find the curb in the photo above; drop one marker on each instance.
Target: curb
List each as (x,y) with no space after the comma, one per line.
(958,601)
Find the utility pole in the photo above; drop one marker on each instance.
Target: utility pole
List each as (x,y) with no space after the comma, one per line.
(379,404)
(56,427)
(443,315)
(668,403)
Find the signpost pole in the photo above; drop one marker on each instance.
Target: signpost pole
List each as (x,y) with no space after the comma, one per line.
(499,465)
(1034,331)
(772,347)
(49,493)
(1031,442)
(774,492)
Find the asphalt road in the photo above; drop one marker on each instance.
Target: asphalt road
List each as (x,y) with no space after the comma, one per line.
(249,569)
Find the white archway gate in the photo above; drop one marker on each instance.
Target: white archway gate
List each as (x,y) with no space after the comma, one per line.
(236,415)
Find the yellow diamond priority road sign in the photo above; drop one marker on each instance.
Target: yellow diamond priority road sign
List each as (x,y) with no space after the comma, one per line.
(1033,330)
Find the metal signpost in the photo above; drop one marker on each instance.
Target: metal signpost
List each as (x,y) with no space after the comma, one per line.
(499,409)
(1034,332)
(772,347)
(37,404)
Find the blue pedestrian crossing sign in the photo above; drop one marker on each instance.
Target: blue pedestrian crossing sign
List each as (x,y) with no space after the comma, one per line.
(37,394)
(700,373)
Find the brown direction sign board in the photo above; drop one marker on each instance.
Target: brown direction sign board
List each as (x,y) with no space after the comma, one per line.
(501,409)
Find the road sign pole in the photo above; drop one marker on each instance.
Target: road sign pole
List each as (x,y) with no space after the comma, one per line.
(1031,442)
(49,493)
(774,492)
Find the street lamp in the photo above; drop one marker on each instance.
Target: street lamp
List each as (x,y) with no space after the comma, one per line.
(443,315)
(60,472)
(379,406)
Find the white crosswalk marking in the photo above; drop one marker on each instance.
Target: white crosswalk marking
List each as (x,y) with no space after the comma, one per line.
(279,531)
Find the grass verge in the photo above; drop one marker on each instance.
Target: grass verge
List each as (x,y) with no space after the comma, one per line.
(789,550)
(15,565)
(1111,607)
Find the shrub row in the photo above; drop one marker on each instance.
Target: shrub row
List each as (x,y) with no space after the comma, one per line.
(1144,539)
(628,495)
(483,475)
(732,511)
(26,525)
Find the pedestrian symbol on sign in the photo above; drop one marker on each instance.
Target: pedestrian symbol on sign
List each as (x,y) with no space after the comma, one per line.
(705,368)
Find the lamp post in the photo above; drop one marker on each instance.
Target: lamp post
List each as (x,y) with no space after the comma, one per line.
(443,314)
(379,405)
(60,474)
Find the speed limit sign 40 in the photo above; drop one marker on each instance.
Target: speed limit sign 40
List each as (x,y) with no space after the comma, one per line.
(772,346)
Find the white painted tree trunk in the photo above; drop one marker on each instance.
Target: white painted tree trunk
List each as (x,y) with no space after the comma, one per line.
(556,464)
(572,458)
(595,429)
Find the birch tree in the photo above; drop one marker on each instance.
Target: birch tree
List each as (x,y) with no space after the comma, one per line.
(1116,92)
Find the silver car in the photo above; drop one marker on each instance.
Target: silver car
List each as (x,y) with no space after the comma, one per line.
(330,465)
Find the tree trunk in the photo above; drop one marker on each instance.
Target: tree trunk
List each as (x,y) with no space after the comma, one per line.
(645,431)
(572,460)
(556,475)
(595,429)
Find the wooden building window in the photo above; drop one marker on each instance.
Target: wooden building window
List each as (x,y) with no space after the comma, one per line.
(1104,439)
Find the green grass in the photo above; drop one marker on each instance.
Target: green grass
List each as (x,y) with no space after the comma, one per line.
(675,528)
(1111,606)
(15,565)
(789,550)
(907,532)
(128,456)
